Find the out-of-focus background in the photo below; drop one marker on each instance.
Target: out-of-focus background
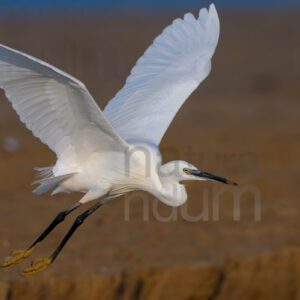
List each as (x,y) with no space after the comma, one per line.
(242,123)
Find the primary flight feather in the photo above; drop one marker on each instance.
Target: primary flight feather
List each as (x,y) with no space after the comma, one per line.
(163,78)
(107,154)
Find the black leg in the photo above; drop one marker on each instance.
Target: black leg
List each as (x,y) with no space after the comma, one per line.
(19,255)
(41,264)
(79,220)
(58,219)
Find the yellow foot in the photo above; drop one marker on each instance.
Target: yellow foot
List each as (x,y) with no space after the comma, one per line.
(17,256)
(37,266)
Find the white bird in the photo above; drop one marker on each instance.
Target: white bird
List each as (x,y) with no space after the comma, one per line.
(107,154)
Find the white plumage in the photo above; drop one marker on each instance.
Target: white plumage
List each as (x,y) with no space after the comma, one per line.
(104,155)
(163,78)
(92,147)
(56,107)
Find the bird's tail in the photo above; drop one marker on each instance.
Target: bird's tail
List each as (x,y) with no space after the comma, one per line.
(44,172)
(48,181)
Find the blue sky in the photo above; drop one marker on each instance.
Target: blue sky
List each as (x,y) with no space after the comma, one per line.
(67,6)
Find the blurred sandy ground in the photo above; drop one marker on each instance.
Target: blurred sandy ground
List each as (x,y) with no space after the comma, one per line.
(243,123)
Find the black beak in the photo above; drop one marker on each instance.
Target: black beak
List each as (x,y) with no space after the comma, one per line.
(209,176)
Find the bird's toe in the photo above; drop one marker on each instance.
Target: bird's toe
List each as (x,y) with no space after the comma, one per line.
(37,265)
(16,257)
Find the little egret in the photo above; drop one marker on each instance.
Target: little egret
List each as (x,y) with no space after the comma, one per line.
(107,154)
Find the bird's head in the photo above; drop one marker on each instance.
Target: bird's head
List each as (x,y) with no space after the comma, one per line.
(176,171)
(172,173)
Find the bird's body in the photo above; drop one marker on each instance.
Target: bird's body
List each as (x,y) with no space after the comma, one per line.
(107,154)
(112,174)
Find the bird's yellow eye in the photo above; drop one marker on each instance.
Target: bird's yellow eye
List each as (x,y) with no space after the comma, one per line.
(185,170)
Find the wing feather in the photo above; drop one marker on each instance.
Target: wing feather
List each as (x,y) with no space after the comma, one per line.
(163,78)
(56,107)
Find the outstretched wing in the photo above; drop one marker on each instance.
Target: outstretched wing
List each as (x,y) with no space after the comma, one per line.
(56,107)
(162,79)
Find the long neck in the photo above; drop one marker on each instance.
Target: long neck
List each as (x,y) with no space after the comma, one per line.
(172,192)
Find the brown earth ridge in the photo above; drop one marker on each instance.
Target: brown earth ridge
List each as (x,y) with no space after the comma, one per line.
(273,276)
